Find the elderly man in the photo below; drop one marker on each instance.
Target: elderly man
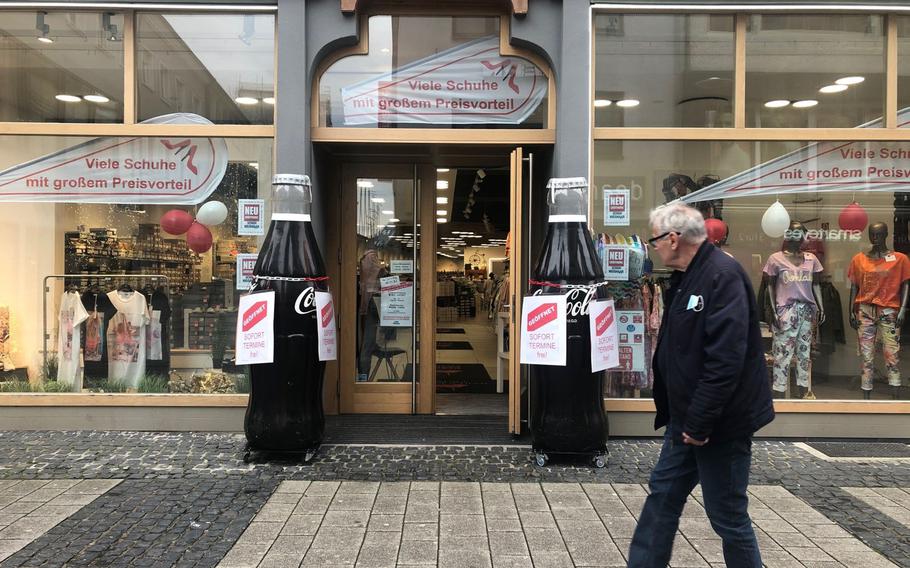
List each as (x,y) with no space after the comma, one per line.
(711,391)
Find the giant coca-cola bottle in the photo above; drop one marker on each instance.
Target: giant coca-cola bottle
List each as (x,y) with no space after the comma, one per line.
(285,413)
(567,413)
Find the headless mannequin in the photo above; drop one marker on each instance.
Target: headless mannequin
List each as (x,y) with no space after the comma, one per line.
(793,254)
(878,236)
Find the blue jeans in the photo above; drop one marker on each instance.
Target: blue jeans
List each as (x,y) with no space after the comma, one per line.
(723,470)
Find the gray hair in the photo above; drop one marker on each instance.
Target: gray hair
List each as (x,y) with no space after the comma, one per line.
(679,218)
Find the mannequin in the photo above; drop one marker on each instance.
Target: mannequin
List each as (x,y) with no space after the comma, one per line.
(795,293)
(878,301)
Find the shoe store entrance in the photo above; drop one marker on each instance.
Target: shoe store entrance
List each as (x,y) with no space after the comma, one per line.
(432,254)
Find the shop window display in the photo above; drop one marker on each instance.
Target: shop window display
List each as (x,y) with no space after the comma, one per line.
(825,251)
(126,306)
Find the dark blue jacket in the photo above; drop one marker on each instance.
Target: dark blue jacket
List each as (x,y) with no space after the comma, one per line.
(710,378)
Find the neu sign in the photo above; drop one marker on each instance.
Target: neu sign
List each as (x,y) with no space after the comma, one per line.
(148,170)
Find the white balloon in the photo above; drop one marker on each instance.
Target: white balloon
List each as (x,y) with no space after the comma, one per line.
(776,220)
(212,213)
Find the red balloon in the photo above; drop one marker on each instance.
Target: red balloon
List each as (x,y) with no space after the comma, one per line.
(717,230)
(176,222)
(199,238)
(853,217)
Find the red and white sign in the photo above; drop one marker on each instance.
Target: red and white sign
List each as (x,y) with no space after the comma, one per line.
(396,302)
(255,340)
(325,331)
(167,170)
(250,216)
(543,330)
(468,84)
(616,207)
(604,336)
(616,262)
(246,262)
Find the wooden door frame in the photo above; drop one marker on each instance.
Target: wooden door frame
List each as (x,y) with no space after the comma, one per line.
(516,229)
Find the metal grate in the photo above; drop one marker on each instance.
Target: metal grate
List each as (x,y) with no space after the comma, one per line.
(862,449)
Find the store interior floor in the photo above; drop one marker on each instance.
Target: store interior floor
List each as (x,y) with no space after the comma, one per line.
(480,333)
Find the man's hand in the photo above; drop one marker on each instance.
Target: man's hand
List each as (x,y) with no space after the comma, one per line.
(687,439)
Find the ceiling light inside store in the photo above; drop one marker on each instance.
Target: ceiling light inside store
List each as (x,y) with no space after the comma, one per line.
(628,103)
(805,104)
(440,220)
(442,170)
(246,100)
(43,38)
(364,183)
(855,80)
(68,98)
(601,103)
(833,89)
(394,220)
(442,200)
(442,184)
(268,100)
(440,212)
(388,212)
(44,30)
(777,103)
(377,199)
(96,98)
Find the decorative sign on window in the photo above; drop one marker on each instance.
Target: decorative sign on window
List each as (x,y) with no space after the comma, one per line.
(468,84)
(171,170)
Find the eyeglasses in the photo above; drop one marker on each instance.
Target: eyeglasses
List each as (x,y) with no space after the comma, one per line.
(653,240)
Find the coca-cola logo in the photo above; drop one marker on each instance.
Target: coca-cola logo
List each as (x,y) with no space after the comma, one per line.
(255,314)
(327,314)
(541,316)
(604,321)
(577,300)
(306,302)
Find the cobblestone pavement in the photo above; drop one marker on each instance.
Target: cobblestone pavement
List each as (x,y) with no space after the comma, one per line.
(189,500)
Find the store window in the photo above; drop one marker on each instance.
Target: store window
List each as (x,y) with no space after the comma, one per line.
(130,296)
(663,70)
(835,190)
(903,68)
(818,70)
(219,66)
(61,66)
(440,72)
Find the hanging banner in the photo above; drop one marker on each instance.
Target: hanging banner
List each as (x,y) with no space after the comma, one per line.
(147,170)
(251,216)
(255,339)
(823,167)
(325,331)
(543,330)
(631,330)
(468,84)
(604,336)
(396,301)
(616,207)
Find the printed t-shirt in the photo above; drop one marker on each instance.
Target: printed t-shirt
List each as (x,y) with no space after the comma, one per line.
(126,337)
(794,283)
(878,280)
(72,314)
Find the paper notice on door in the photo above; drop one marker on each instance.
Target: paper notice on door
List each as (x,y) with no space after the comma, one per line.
(604,336)
(255,341)
(396,302)
(325,332)
(543,330)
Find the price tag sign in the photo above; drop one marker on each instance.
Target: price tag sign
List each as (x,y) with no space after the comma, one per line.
(616,262)
(255,340)
(616,207)
(543,330)
(604,335)
(325,331)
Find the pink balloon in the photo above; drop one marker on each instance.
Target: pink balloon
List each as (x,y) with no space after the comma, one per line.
(853,217)
(176,222)
(717,230)
(199,238)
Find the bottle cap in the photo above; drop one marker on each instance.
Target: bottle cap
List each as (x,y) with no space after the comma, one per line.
(568,200)
(290,179)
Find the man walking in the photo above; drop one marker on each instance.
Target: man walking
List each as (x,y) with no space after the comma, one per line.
(711,391)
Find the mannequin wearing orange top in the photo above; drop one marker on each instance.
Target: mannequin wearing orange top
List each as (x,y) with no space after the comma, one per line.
(878,301)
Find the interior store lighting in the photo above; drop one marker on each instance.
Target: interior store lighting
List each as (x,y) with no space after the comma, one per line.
(442,200)
(442,170)
(110,29)
(268,100)
(601,103)
(387,212)
(628,103)
(808,103)
(44,30)
(440,220)
(246,100)
(442,184)
(394,220)
(440,212)
(854,80)
(68,98)
(777,103)
(96,98)
(377,199)
(827,89)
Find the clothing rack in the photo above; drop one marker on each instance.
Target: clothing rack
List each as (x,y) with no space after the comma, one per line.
(99,277)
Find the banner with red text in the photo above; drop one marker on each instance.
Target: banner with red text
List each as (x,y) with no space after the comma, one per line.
(543,330)
(147,170)
(468,84)
(823,167)
(255,337)
(604,336)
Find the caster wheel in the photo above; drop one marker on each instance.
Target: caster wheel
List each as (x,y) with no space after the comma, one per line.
(308,456)
(600,462)
(247,457)
(541,459)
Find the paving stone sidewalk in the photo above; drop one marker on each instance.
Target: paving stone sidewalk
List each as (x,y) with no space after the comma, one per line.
(189,500)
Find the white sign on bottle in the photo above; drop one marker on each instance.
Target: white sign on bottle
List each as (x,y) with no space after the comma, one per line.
(255,339)
(325,330)
(396,302)
(604,335)
(543,330)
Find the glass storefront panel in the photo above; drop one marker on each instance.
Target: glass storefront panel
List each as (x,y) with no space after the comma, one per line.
(120,257)
(442,72)
(903,66)
(663,70)
(818,70)
(816,183)
(61,66)
(219,66)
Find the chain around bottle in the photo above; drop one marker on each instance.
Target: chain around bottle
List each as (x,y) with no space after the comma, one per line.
(256,279)
(533,282)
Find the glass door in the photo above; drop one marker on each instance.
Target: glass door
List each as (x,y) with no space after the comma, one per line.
(379,289)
